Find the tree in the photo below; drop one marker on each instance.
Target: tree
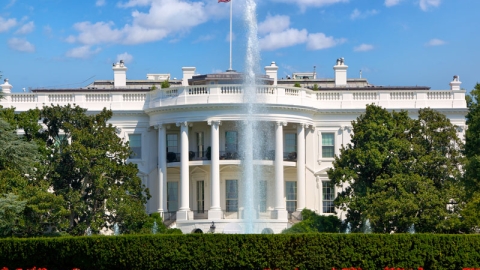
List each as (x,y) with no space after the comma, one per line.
(313,223)
(471,211)
(297,85)
(165,84)
(89,170)
(400,172)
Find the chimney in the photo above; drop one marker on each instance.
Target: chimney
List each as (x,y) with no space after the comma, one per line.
(272,72)
(188,73)
(119,74)
(340,72)
(6,87)
(455,84)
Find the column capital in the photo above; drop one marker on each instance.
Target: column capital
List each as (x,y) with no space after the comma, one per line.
(281,123)
(184,124)
(347,128)
(214,122)
(159,126)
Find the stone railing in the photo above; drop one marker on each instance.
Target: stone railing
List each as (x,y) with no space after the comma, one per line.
(234,94)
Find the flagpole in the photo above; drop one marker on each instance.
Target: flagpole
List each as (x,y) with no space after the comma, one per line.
(231,8)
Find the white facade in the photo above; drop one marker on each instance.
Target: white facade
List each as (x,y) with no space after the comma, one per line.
(171,130)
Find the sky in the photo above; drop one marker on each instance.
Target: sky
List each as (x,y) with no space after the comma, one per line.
(70,43)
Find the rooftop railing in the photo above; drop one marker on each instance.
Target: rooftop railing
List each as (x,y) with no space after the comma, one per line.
(234,94)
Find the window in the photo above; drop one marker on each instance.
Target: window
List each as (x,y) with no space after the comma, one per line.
(172,143)
(172,196)
(200,147)
(328,145)
(263,196)
(291,190)
(231,141)
(200,196)
(328,197)
(290,142)
(231,195)
(135,145)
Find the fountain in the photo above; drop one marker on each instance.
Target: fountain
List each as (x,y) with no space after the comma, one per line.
(411,229)
(250,143)
(116,229)
(349,228)
(367,228)
(155,228)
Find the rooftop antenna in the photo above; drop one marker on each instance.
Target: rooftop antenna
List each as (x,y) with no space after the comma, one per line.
(360,73)
(314,72)
(231,8)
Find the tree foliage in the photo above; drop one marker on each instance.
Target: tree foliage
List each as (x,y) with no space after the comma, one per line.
(400,172)
(313,223)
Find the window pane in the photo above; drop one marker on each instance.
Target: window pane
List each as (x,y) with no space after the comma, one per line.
(290,142)
(172,196)
(200,196)
(231,196)
(172,143)
(328,145)
(135,141)
(231,141)
(263,196)
(291,194)
(328,197)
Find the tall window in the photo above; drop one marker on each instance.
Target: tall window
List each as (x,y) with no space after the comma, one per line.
(200,196)
(172,196)
(200,145)
(291,190)
(328,197)
(328,145)
(263,196)
(290,142)
(231,195)
(172,143)
(135,145)
(231,141)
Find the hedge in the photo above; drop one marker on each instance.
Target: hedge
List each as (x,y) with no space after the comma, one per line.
(223,251)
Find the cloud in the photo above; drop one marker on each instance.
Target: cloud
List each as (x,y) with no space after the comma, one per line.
(26,28)
(47,31)
(274,24)
(320,41)
(100,3)
(164,17)
(363,48)
(126,57)
(391,3)
(435,42)
(357,14)
(6,24)
(287,38)
(12,2)
(21,45)
(82,52)
(426,4)
(303,4)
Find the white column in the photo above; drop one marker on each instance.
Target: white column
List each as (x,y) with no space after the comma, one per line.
(215,211)
(301,186)
(162,169)
(184,212)
(279,209)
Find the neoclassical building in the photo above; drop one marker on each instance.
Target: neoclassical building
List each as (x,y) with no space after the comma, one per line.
(185,138)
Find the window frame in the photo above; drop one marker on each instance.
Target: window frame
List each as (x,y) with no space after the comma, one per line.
(230,202)
(328,190)
(140,137)
(295,195)
(332,146)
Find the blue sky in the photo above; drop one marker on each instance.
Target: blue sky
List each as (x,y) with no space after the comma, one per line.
(69,43)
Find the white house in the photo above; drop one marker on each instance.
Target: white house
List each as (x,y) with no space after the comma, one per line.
(185,138)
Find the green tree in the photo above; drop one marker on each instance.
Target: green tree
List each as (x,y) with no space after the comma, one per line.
(165,84)
(297,85)
(400,172)
(11,209)
(471,211)
(313,223)
(89,170)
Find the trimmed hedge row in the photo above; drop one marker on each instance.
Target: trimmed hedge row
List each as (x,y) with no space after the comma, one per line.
(222,251)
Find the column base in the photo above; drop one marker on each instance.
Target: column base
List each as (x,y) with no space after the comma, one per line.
(280,214)
(215,214)
(184,215)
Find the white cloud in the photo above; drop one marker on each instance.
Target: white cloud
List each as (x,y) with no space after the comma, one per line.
(26,28)
(357,14)
(82,52)
(20,44)
(425,4)
(391,3)
(126,57)
(12,2)
(274,24)
(100,3)
(287,38)
(164,17)
(312,3)
(320,41)
(6,24)
(435,42)
(363,48)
